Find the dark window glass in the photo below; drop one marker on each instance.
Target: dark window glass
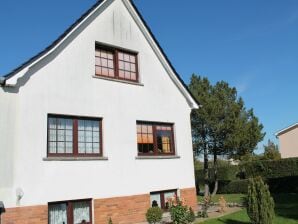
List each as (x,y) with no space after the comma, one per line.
(155,139)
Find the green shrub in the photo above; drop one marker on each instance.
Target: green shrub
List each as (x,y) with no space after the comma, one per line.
(180,213)
(260,207)
(154,215)
(233,187)
(110,221)
(191,215)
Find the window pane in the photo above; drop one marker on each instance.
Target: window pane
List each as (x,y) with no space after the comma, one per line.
(104,63)
(61,123)
(164,138)
(89,133)
(60,147)
(52,147)
(145,138)
(155,200)
(81,212)
(127,66)
(168,197)
(68,147)
(58,214)
(61,135)
(52,135)
(96,147)
(52,123)
(81,147)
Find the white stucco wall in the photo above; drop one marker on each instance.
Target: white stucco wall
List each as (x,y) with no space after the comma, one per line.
(63,83)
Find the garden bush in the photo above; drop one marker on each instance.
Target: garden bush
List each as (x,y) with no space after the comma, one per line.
(260,207)
(180,213)
(233,187)
(154,215)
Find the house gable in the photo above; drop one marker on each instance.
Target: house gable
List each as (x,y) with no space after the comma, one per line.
(11,79)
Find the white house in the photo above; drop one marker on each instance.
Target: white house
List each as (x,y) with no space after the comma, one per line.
(96,126)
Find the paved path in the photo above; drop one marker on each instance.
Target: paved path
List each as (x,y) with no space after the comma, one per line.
(216,214)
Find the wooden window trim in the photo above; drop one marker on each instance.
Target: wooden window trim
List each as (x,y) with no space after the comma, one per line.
(70,208)
(156,153)
(115,51)
(75,137)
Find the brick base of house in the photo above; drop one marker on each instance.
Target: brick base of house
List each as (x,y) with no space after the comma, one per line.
(26,215)
(122,210)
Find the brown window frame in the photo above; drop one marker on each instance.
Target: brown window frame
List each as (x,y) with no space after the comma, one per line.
(75,151)
(155,148)
(116,51)
(162,197)
(69,210)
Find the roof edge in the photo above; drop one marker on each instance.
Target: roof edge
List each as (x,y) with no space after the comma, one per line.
(282,131)
(54,43)
(198,105)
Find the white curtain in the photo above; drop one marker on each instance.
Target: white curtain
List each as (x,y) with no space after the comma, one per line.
(81,211)
(57,214)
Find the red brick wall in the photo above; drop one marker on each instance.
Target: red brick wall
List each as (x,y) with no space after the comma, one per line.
(190,197)
(122,210)
(26,215)
(130,209)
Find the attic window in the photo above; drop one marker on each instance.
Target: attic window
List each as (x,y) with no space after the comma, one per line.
(116,63)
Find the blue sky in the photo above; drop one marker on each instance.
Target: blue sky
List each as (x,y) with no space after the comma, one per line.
(253,45)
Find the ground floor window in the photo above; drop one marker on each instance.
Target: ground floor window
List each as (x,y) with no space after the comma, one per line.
(162,198)
(70,212)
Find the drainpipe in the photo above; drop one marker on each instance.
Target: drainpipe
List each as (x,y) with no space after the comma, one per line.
(2,209)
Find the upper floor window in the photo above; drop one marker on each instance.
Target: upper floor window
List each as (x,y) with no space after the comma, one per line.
(74,136)
(155,138)
(116,63)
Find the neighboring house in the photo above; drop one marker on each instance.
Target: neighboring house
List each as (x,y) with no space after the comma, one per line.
(95,126)
(288,141)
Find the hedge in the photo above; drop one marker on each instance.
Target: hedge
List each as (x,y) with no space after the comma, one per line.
(224,173)
(270,168)
(283,184)
(280,175)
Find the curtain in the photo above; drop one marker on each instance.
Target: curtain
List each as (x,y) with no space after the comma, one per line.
(81,211)
(57,214)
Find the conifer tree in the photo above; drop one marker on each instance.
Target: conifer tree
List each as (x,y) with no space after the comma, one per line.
(260,207)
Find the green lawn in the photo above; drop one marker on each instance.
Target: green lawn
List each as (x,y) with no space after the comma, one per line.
(286,211)
(238,198)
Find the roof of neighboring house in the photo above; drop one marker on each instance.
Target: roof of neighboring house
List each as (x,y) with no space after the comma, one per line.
(289,128)
(75,24)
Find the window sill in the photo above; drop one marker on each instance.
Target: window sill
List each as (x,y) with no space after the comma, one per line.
(118,80)
(74,158)
(158,157)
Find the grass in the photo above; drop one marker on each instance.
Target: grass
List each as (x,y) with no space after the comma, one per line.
(286,211)
(238,198)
